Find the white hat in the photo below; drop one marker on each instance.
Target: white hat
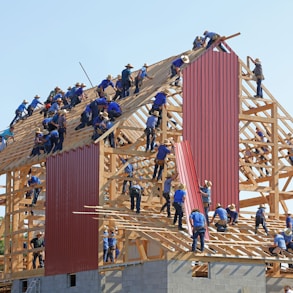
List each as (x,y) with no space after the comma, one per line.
(185,58)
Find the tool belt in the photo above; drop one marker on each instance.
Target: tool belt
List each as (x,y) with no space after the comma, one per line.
(160,162)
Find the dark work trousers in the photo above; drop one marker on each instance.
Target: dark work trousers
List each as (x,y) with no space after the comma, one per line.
(178,214)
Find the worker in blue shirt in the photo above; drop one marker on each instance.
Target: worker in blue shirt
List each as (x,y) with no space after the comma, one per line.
(119,88)
(104,84)
(287,234)
(222,214)
(113,109)
(198,224)
(19,112)
(213,37)
(163,151)
(128,172)
(179,198)
(126,79)
(8,133)
(205,192)
(35,102)
(166,193)
(177,64)
(105,245)
(198,43)
(141,75)
(279,244)
(33,182)
(158,104)
(260,218)
(112,241)
(135,196)
(289,221)
(150,131)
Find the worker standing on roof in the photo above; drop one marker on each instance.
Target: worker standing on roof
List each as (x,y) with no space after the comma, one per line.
(104,84)
(33,105)
(198,224)
(213,37)
(179,198)
(150,131)
(19,112)
(198,43)
(141,75)
(206,198)
(158,104)
(260,218)
(166,192)
(126,79)
(258,73)
(176,67)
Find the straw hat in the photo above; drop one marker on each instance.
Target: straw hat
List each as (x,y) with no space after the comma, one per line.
(25,102)
(109,76)
(156,113)
(232,207)
(82,85)
(46,132)
(119,76)
(145,65)
(208,183)
(167,142)
(288,232)
(185,58)
(77,84)
(128,65)
(218,205)
(69,88)
(64,111)
(181,186)
(257,61)
(38,130)
(39,233)
(262,206)
(37,96)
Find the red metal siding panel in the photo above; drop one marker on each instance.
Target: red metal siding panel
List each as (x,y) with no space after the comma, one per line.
(188,176)
(210,121)
(72,182)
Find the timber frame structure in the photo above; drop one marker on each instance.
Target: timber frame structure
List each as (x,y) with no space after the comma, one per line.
(267,178)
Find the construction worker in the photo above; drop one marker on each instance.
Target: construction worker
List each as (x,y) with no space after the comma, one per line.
(260,218)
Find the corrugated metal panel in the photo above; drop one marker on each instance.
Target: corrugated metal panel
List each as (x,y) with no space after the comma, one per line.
(210,121)
(72,182)
(187,174)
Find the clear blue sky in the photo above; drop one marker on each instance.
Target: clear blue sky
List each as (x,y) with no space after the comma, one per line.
(42,42)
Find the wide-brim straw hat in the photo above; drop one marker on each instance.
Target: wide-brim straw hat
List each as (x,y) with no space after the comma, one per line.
(38,130)
(109,76)
(257,60)
(218,205)
(232,207)
(128,65)
(185,58)
(208,183)
(181,186)
(25,102)
(156,113)
(46,132)
(167,142)
(262,206)
(37,96)
(288,232)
